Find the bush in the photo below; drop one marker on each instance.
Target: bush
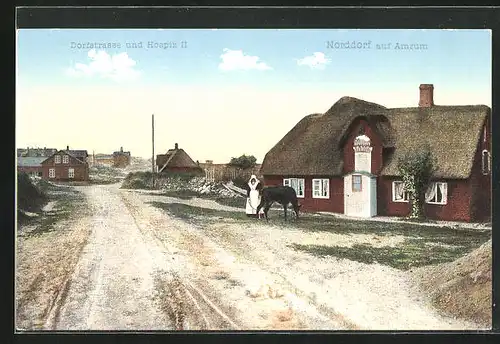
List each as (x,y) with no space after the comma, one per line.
(138,180)
(29,196)
(243,162)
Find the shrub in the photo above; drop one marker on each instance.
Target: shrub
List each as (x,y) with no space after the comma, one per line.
(244,161)
(29,196)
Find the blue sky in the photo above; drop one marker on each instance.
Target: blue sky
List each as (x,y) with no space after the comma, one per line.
(457,62)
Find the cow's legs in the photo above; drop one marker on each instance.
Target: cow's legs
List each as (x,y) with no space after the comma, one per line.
(259,207)
(296,208)
(266,209)
(285,209)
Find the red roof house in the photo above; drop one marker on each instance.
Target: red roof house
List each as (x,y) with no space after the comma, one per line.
(345,160)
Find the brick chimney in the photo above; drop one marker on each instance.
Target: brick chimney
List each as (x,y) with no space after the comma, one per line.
(426,95)
(67,148)
(176,146)
(121,149)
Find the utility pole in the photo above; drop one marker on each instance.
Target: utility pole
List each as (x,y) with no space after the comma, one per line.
(153,156)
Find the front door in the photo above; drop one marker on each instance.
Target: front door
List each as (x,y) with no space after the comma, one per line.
(360,199)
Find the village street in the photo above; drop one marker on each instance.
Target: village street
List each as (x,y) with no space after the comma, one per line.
(143,269)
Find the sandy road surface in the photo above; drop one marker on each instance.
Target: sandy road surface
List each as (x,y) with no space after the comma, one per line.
(145,270)
(112,286)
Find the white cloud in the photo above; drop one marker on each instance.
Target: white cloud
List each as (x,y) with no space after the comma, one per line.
(118,67)
(236,59)
(315,61)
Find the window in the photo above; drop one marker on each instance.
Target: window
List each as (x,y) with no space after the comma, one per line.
(321,188)
(65,159)
(40,174)
(356,183)
(398,192)
(297,184)
(486,162)
(71,173)
(52,172)
(437,193)
(57,159)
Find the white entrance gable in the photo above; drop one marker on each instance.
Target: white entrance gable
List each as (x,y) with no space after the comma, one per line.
(360,194)
(362,154)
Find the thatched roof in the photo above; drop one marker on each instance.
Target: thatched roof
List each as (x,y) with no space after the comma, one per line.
(175,158)
(314,145)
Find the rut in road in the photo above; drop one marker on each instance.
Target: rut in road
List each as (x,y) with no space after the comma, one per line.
(113,286)
(127,279)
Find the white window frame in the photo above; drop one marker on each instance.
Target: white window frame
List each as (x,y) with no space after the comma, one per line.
(485,165)
(433,188)
(57,159)
(288,182)
(317,192)
(65,159)
(406,195)
(71,173)
(52,172)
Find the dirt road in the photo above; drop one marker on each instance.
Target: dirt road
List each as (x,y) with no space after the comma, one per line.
(145,270)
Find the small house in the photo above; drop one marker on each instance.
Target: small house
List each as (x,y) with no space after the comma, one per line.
(176,160)
(121,159)
(30,165)
(66,165)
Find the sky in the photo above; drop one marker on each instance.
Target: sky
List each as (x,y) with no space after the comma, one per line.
(223,93)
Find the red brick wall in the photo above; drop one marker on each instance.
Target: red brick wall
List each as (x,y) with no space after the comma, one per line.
(456,209)
(349,151)
(61,170)
(480,184)
(333,204)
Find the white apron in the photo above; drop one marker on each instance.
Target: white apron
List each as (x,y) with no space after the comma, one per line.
(254,200)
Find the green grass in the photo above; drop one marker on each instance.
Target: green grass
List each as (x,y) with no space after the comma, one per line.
(411,253)
(66,205)
(423,245)
(199,215)
(237,202)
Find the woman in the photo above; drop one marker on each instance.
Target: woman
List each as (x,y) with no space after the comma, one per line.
(253,197)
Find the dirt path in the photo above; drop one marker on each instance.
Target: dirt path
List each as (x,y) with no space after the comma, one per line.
(143,269)
(113,284)
(323,292)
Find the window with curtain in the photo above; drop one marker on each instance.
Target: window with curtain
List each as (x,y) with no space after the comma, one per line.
(297,184)
(321,188)
(356,183)
(398,192)
(437,193)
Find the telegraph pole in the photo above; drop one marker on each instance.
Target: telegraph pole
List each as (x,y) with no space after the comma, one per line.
(153,143)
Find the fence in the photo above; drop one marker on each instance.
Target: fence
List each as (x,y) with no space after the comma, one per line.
(222,172)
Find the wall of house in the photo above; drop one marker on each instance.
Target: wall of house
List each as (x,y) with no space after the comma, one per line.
(30,169)
(480,184)
(61,169)
(335,203)
(376,162)
(456,209)
(121,160)
(61,172)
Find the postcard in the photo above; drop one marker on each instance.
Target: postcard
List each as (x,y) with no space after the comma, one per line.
(253,180)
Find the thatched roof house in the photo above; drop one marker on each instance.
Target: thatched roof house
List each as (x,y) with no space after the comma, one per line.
(177,160)
(321,144)
(315,145)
